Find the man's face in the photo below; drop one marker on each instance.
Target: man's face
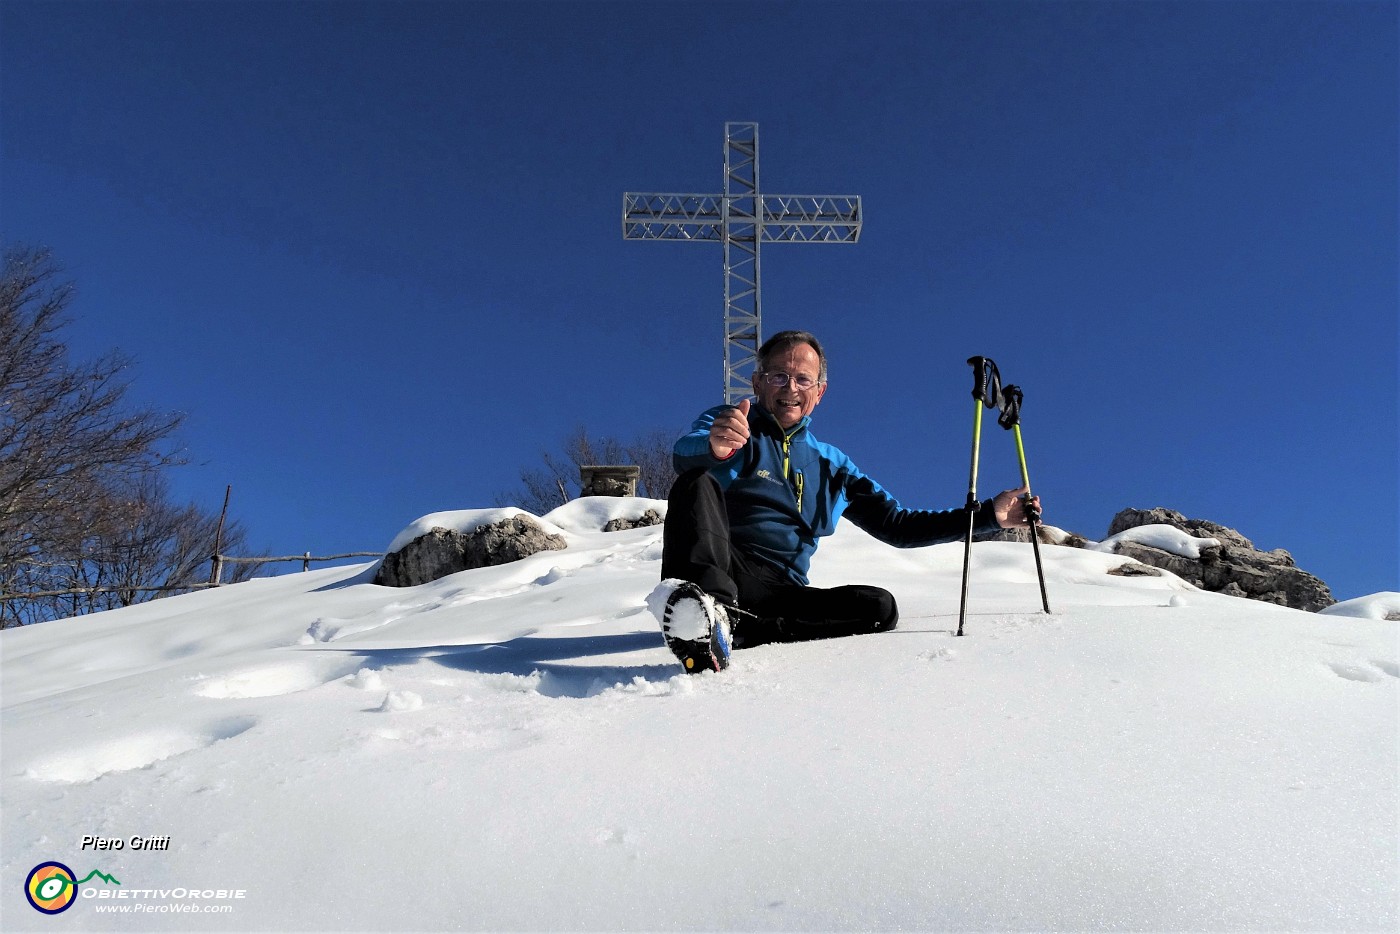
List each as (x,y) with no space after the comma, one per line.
(789,404)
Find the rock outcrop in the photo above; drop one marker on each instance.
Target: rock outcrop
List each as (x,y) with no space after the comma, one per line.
(440,552)
(1233,567)
(1049,535)
(650,517)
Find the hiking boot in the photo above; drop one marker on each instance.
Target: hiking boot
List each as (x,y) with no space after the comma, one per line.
(696,629)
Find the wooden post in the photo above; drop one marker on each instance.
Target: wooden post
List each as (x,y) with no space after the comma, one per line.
(216,560)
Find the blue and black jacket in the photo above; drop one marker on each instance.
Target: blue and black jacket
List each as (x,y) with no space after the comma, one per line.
(785,489)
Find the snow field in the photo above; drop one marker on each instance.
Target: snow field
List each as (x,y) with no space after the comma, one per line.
(513,748)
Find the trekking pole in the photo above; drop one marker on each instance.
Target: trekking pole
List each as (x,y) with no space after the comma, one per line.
(1010,418)
(986,391)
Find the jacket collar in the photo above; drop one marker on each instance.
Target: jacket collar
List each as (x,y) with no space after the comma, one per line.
(771,426)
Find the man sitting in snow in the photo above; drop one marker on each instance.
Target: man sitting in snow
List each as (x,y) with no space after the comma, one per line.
(756,490)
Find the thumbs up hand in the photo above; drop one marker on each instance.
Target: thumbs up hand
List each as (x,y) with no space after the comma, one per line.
(730,430)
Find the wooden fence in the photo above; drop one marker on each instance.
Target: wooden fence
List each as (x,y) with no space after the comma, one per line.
(216,568)
(217,563)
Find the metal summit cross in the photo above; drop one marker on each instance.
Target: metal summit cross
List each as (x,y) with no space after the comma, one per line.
(742,219)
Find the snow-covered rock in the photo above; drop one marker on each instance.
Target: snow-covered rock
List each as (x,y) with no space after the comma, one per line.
(1214,557)
(472,539)
(1383,605)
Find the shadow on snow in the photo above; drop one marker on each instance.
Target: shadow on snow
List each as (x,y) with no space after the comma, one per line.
(550,657)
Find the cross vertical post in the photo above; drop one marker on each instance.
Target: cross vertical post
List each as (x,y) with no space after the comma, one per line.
(742,218)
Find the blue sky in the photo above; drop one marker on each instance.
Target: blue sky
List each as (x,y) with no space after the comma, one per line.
(374,249)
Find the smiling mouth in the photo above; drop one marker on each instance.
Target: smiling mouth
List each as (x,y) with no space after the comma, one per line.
(786,409)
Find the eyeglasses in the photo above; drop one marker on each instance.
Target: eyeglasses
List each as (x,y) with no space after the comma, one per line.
(779,380)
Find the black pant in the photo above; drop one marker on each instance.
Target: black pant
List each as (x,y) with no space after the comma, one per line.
(696,548)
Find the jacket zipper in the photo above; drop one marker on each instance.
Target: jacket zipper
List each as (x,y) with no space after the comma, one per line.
(788,474)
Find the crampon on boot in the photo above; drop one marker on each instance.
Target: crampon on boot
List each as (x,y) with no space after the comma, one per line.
(696,629)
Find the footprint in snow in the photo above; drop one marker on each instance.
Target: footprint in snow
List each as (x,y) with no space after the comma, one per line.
(619,837)
(1362,671)
(330,628)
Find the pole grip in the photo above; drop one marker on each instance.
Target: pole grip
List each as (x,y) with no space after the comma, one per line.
(986,381)
(1011,398)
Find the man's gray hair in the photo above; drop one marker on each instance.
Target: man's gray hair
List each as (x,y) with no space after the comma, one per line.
(785,339)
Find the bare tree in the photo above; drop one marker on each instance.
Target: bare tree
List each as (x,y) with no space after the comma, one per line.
(652,451)
(558,481)
(156,544)
(82,502)
(166,544)
(64,430)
